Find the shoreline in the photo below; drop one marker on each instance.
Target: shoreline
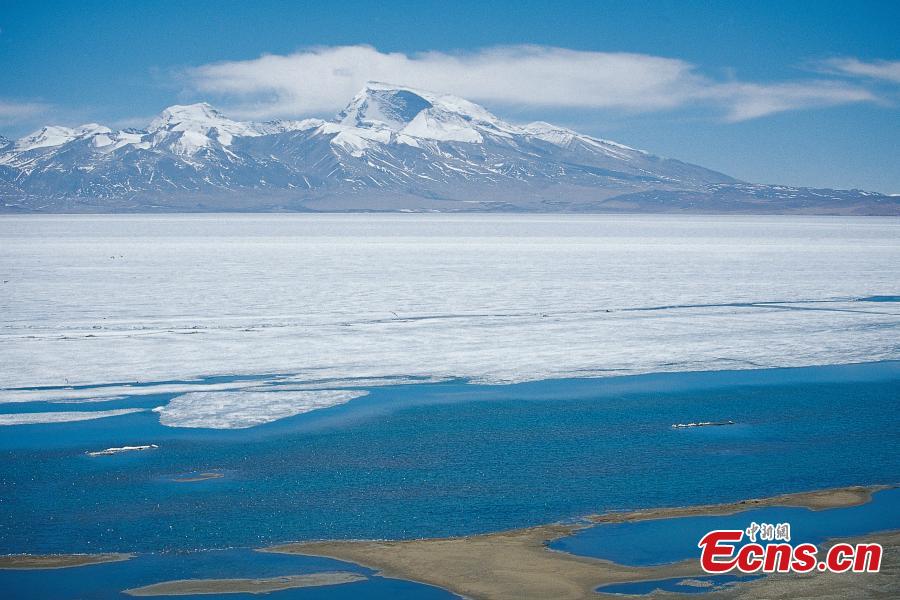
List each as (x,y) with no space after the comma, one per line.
(747,374)
(508,565)
(815,500)
(190,587)
(511,564)
(518,563)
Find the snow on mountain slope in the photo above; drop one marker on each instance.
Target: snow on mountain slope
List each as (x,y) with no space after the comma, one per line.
(185,129)
(383,107)
(200,118)
(391,148)
(55,135)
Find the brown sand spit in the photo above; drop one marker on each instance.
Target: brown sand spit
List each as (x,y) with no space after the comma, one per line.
(515,564)
(818,500)
(188,587)
(58,561)
(518,565)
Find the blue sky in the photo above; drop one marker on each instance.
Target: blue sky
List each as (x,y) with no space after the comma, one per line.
(802,93)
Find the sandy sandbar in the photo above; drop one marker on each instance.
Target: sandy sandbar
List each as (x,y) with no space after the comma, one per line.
(188,587)
(513,564)
(58,561)
(817,500)
(518,564)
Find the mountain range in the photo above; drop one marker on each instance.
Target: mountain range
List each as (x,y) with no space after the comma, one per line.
(393,148)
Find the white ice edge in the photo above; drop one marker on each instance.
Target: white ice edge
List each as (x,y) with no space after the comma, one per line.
(62,417)
(121,449)
(294,383)
(106,393)
(116,392)
(240,410)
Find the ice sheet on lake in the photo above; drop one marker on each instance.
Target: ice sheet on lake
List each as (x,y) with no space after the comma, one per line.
(239,410)
(493,298)
(290,383)
(62,417)
(114,392)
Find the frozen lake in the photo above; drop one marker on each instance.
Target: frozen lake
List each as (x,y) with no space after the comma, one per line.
(332,377)
(93,300)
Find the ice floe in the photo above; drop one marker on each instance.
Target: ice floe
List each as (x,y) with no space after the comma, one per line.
(702,424)
(114,392)
(62,417)
(121,449)
(239,410)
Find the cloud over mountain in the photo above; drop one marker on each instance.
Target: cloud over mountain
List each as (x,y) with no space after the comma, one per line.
(320,79)
(885,70)
(11,111)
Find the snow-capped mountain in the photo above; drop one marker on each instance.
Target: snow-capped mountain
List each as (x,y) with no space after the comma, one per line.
(391,148)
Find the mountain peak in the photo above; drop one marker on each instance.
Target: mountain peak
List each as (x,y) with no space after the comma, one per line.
(189,116)
(380,104)
(57,135)
(195,108)
(383,86)
(195,126)
(420,114)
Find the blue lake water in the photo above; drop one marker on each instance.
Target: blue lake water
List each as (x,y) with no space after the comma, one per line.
(661,541)
(447,459)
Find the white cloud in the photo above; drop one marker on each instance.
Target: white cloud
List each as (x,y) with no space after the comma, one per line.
(12,111)
(886,70)
(743,101)
(321,80)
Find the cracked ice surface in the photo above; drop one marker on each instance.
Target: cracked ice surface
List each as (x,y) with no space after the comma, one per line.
(239,410)
(62,417)
(495,298)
